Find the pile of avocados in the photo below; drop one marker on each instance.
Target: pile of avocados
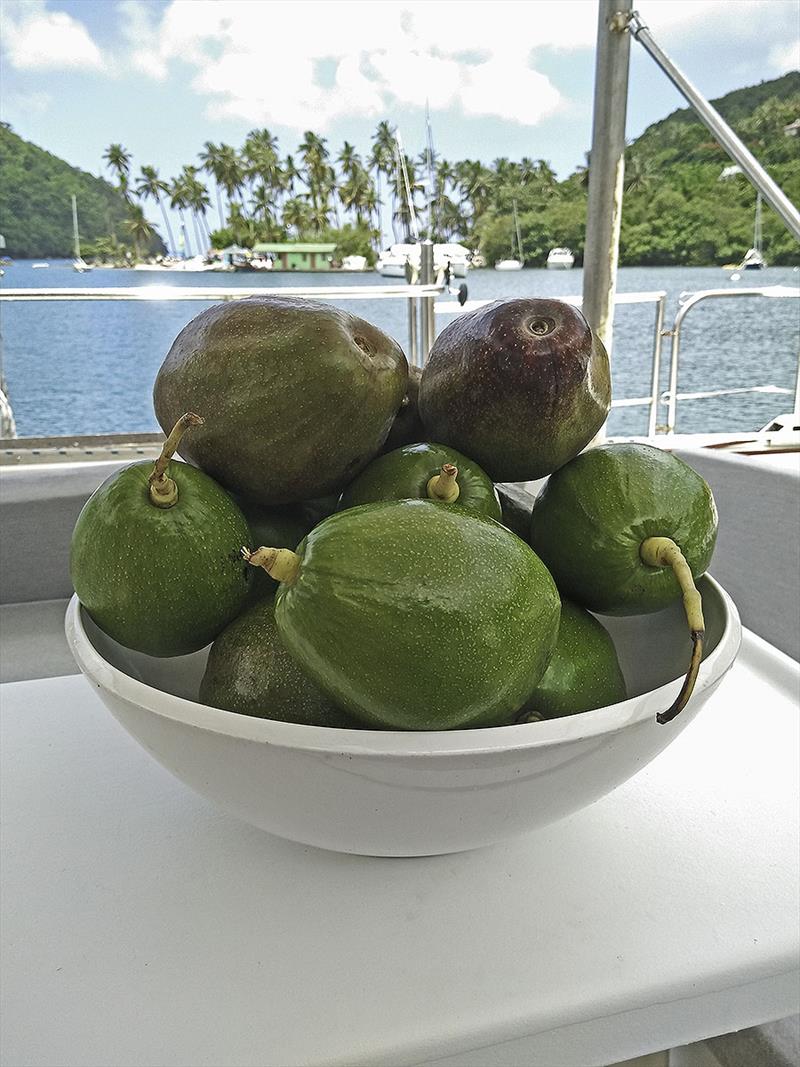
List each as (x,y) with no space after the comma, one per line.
(335,532)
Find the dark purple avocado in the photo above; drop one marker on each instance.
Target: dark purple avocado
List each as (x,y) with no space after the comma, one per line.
(520,386)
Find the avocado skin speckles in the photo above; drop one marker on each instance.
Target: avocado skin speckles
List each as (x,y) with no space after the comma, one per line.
(298,395)
(521,403)
(592,515)
(420,616)
(164,581)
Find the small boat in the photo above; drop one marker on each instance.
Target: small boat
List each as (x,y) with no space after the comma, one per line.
(513,263)
(79,264)
(560,259)
(753,257)
(354,263)
(39,266)
(392,261)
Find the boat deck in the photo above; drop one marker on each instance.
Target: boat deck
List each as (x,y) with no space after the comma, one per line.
(145,927)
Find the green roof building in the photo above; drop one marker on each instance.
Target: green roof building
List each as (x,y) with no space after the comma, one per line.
(301,257)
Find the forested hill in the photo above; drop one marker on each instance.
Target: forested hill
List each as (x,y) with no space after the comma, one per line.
(35,206)
(684,203)
(678,208)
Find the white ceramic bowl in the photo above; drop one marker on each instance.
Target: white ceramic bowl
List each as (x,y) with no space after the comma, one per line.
(385,793)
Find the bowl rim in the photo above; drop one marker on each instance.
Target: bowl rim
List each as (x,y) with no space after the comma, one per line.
(396,743)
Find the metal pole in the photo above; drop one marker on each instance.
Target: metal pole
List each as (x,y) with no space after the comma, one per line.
(656,373)
(771,192)
(606,167)
(413,348)
(426,278)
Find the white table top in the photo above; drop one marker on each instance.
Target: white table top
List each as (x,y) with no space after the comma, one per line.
(144,927)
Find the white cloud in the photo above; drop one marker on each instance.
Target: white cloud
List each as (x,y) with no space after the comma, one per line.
(785,57)
(259,61)
(34,38)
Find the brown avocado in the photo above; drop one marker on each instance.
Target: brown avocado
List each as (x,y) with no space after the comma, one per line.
(302,395)
(521,386)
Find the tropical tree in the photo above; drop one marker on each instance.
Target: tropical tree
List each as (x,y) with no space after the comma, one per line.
(150,185)
(138,227)
(178,194)
(118,160)
(231,172)
(382,157)
(314,153)
(211,159)
(296,215)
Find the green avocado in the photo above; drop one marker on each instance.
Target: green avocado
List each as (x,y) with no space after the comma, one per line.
(520,385)
(626,529)
(160,577)
(414,472)
(584,672)
(407,426)
(250,672)
(303,395)
(591,517)
(417,616)
(282,527)
(517,507)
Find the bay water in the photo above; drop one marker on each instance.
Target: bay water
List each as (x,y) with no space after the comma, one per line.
(87,367)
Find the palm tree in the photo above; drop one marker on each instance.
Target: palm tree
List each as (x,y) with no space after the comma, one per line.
(138,227)
(314,155)
(296,215)
(231,172)
(382,156)
(196,197)
(150,185)
(178,201)
(348,160)
(211,158)
(289,175)
(263,203)
(118,160)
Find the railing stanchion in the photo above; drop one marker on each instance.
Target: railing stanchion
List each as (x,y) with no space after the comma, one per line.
(413,345)
(426,278)
(658,338)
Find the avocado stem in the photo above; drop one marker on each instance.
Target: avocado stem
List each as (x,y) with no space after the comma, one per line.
(663,552)
(443,486)
(280,563)
(163,490)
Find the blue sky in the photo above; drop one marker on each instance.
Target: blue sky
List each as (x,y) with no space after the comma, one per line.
(503,79)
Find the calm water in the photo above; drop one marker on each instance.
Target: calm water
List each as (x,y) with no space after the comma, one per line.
(88,367)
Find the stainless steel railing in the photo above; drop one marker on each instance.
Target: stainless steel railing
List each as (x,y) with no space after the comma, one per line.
(425,294)
(772,292)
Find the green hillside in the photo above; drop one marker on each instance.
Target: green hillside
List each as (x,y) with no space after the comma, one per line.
(677,208)
(35,207)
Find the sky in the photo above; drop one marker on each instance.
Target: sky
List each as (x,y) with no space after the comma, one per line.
(501,79)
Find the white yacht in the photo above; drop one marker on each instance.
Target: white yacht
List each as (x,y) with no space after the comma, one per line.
(560,259)
(356,263)
(392,261)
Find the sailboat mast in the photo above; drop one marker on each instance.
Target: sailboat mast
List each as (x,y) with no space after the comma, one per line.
(757,225)
(516,230)
(401,163)
(75,238)
(429,160)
